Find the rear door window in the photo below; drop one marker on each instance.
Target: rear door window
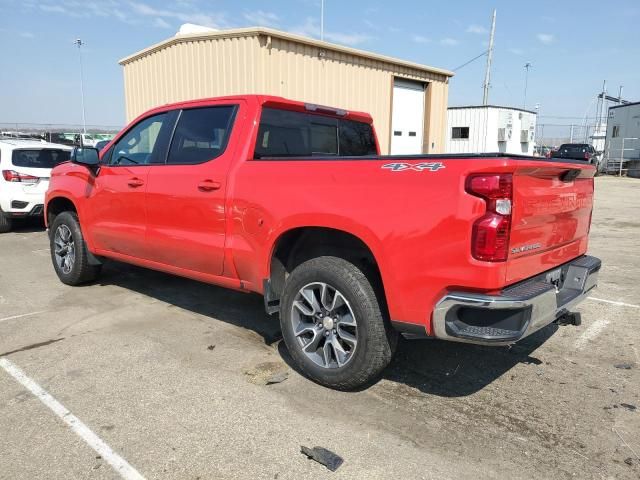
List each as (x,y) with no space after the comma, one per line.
(201,134)
(356,138)
(285,133)
(39,158)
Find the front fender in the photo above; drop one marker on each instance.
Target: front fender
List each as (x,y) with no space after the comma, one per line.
(72,183)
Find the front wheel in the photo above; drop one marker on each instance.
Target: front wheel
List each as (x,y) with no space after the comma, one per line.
(69,251)
(333,324)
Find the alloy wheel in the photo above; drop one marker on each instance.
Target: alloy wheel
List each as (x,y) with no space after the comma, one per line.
(65,250)
(324,325)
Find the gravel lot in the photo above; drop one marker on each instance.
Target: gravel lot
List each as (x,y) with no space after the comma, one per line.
(171,374)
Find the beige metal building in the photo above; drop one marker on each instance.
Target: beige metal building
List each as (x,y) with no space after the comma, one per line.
(408,101)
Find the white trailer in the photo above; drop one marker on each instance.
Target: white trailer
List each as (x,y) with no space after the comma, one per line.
(490,128)
(622,146)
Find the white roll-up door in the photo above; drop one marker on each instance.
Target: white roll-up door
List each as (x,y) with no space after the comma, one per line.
(407,119)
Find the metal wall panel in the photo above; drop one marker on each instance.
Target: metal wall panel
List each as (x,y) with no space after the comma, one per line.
(484,124)
(227,65)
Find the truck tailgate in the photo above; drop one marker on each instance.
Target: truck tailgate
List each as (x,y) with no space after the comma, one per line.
(551,217)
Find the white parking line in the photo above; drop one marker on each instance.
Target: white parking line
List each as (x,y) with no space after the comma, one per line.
(621,304)
(20,316)
(592,332)
(119,464)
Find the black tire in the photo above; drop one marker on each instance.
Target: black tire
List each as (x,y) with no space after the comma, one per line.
(376,340)
(81,270)
(5,223)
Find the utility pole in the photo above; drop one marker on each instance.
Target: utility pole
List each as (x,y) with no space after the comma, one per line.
(601,103)
(527,66)
(322,20)
(79,43)
(487,75)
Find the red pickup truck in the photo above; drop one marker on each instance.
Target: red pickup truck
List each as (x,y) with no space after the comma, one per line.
(294,202)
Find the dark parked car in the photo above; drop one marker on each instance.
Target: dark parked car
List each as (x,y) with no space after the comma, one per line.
(580,151)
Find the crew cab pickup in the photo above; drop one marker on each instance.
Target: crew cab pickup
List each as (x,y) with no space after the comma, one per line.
(351,248)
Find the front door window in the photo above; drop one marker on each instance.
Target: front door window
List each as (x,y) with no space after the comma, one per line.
(136,147)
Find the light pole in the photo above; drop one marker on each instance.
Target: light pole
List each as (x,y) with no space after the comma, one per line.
(527,66)
(322,20)
(539,128)
(79,43)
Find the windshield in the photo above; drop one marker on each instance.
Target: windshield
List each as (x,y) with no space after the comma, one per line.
(40,158)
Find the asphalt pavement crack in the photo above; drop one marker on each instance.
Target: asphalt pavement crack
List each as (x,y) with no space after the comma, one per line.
(32,346)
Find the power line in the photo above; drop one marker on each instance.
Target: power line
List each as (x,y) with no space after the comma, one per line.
(472,60)
(560,117)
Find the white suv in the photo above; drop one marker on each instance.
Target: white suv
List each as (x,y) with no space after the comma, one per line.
(25,168)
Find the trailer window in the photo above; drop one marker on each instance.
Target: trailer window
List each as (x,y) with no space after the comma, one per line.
(284,133)
(460,133)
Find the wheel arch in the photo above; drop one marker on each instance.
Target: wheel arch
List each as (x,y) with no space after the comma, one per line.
(56,205)
(298,244)
(59,204)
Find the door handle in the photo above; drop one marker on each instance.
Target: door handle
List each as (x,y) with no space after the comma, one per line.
(135,182)
(209,186)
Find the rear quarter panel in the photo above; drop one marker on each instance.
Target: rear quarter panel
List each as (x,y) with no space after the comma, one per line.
(417,223)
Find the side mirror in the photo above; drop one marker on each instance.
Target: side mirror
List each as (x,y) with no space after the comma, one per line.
(87,156)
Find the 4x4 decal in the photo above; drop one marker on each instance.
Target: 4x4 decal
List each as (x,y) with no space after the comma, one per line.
(418,167)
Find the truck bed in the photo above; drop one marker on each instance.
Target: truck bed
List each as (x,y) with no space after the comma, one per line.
(417,221)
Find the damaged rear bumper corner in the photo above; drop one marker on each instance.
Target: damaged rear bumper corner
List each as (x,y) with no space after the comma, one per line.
(517,311)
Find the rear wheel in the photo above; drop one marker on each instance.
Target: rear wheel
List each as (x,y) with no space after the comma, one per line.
(5,222)
(69,251)
(333,325)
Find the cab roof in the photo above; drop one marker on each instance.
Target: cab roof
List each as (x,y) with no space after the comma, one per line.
(270,101)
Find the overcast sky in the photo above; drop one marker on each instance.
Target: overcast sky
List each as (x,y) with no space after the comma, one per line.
(572,45)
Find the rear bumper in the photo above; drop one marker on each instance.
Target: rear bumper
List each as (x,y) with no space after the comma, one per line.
(18,200)
(517,311)
(30,210)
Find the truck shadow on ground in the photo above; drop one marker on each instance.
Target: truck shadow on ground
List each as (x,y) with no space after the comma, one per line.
(435,367)
(450,369)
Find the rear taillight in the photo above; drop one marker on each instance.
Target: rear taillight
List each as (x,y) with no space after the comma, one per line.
(13,176)
(490,236)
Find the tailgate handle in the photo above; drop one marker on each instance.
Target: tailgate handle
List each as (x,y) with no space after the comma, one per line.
(570,175)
